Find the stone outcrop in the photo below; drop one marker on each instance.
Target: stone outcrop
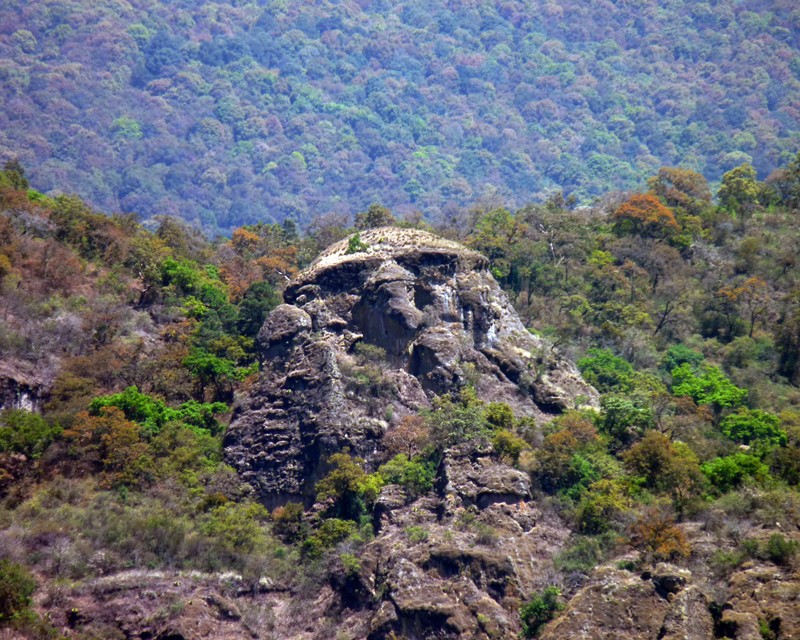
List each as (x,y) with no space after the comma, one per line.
(433,319)
(457,572)
(19,387)
(470,473)
(654,605)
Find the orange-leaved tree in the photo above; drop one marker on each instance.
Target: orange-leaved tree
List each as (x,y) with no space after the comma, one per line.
(645,215)
(113,443)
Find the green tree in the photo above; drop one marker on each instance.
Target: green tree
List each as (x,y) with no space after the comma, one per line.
(601,504)
(710,387)
(15,174)
(679,354)
(730,472)
(26,432)
(606,372)
(210,369)
(788,339)
(496,235)
(152,414)
(740,190)
(351,489)
(625,418)
(415,476)
(754,426)
(375,216)
(453,422)
(665,467)
(508,445)
(259,299)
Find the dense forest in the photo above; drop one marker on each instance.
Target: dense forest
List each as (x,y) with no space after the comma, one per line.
(683,312)
(231,113)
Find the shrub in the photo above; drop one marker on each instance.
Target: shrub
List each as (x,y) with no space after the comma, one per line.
(415,476)
(754,425)
(780,550)
(350,563)
(605,371)
(540,610)
(679,354)
(584,553)
(485,535)
(508,445)
(725,562)
(370,352)
(236,528)
(581,557)
(355,244)
(500,415)
(16,588)
(416,533)
(26,432)
(655,534)
(333,531)
(730,472)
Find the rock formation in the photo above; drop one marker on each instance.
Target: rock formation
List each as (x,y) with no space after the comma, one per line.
(19,388)
(366,337)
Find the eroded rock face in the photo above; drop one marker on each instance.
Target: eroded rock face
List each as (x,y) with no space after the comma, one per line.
(470,474)
(455,573)
(619,604)
(440,318)
(19,389)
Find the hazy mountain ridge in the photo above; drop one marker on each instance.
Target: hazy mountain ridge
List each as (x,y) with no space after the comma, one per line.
(229,113)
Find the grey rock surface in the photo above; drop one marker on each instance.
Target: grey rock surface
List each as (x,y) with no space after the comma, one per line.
(436,319)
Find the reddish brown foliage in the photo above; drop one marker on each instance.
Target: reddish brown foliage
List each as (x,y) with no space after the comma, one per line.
(646,215)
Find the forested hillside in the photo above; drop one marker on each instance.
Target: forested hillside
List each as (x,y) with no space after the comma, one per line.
(139,345)
(230,113)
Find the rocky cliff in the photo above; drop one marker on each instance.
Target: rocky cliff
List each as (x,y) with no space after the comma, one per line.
(368,334)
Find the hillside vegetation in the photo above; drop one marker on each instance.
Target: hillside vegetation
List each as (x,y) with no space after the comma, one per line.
(229,113)
(684,314)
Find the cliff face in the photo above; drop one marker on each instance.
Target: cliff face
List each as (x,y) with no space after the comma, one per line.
(19,388)
(441,322)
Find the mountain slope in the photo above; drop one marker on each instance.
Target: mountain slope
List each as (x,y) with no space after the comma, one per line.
(227,113)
